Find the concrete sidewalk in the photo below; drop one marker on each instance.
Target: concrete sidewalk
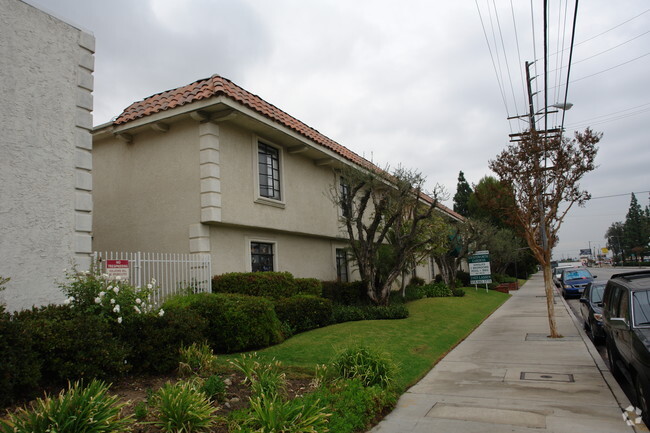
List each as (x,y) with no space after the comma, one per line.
(507,376)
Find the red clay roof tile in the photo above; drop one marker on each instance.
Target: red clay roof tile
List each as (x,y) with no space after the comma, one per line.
(219,86)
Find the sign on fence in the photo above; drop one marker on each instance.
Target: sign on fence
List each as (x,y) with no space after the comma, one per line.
(479,268)
(173,273)
(117,268)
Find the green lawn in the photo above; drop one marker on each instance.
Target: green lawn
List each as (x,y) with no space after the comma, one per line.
(415,344)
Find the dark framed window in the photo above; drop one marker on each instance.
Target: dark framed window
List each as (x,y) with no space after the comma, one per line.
(268,159)
(341,265)
(344,189)
(261,257)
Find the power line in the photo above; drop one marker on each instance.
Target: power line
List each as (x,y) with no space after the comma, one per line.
(609,69)
(618,195)
(566,89)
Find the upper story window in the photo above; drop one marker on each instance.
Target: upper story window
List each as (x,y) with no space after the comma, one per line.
(341,265)
(261,257)
(269,171)
(344,190)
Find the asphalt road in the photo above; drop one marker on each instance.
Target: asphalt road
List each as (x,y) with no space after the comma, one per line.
(603,274)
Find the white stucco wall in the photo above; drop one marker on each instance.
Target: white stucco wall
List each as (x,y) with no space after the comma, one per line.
(45,152)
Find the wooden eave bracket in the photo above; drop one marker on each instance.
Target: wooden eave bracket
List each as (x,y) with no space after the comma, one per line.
(125,137)
(160,127)
(324,162)
(298,149)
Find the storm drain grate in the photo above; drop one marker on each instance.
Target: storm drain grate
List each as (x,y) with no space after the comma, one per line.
(547,377)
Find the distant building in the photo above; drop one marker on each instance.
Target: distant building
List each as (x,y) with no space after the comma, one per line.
(45,152)
(211,168)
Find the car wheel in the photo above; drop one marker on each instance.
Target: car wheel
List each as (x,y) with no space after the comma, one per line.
(642,399)
(593,329)
(611,358)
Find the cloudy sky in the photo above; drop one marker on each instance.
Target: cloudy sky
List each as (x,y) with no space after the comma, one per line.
(426,84)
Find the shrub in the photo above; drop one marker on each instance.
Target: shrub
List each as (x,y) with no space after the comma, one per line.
(364,364)
(20,368)
(352,293)
(153,342)
(73,345)
(437,290)
(353,406)
(309,286)
(273,285)
(351,313)
(458,292)
(94,293)
(182,408)
(411,293)
(214,388)
(304,312)
(416,281)
(235,322)
(463,277)
(197,359)
(78,409)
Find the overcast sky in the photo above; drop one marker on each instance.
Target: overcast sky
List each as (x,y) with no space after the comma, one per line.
(426,84)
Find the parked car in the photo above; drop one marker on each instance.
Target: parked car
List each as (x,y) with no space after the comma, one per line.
(574,280)
(626,321)
(591,310)
(558,267)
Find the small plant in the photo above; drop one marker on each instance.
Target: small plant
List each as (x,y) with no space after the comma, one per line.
(140,411)
(214,388)
(197,359)
(181,408)
(367,365)
(458,292)
(77,409)
(273,414)
(265,378)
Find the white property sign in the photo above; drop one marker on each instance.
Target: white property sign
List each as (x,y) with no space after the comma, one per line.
(479,268)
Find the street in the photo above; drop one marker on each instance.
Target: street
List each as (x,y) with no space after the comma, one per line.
(604,274)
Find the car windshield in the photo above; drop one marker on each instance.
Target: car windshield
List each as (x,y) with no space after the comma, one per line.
(596,293)
(641,308)
(577,274)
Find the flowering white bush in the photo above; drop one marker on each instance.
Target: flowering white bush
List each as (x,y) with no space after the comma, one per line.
(116,299)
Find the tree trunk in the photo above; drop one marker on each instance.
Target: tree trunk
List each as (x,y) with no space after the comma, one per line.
(549,286)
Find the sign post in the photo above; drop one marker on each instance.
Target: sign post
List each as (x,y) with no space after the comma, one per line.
(479,269)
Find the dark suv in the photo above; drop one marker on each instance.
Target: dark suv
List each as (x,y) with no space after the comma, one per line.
(626,320)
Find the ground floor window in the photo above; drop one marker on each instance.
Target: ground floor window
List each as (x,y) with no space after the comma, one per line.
(341,265)
(261,257)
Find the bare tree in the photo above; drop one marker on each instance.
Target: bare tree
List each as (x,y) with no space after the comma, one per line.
(543,176)
(377,208)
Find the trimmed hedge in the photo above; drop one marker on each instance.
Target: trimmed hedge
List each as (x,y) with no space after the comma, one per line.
(309,286)
(437,290)
(275,285)
(352,313)
(20,367)
(72,345)
(352,293)
(154,341)
(235,322)
(304,312)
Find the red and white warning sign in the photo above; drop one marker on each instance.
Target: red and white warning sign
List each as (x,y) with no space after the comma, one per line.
(117,268)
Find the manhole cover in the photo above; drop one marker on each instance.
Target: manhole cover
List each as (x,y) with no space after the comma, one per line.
(546,377)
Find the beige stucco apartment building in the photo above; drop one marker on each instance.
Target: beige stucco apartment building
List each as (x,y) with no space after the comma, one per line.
(211,168)
(46,82)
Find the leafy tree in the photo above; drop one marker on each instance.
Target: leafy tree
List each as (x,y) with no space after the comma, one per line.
(543,175)
(488,201)
(461,198)
(388,221)
(615,236)
(635,233)
(462,239)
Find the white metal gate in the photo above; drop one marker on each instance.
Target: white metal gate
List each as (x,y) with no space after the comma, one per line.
(174,273)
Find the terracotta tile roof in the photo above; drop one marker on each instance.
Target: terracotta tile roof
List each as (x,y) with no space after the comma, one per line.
(219,86)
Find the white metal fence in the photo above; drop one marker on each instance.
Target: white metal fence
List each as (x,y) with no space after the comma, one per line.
(174,273)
